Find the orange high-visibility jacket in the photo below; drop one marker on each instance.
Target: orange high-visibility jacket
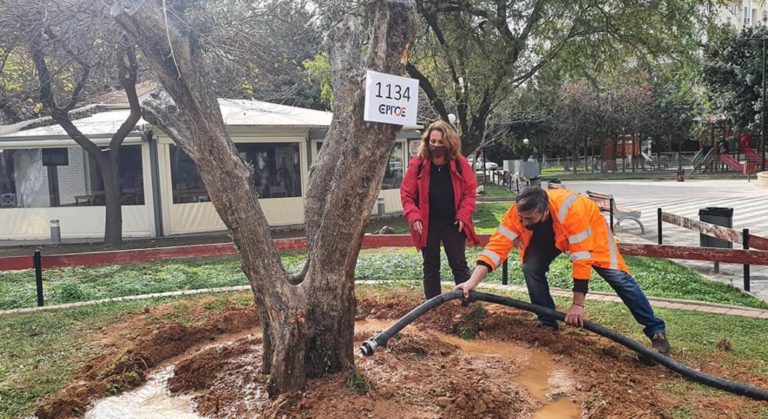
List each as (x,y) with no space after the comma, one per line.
(580,231)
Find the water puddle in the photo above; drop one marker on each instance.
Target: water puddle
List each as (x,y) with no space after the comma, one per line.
(150,401)
(544,379)
(376,326)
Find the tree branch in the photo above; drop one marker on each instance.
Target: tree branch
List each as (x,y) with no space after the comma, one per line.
(86,69)
(127,74)
(429,90)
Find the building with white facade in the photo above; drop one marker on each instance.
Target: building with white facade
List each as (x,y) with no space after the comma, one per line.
(45,175)
(743,14)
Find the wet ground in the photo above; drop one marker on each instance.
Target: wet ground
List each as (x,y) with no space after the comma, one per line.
(510,369)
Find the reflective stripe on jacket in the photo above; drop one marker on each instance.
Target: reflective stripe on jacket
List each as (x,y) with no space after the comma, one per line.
(414,195)
(580,231)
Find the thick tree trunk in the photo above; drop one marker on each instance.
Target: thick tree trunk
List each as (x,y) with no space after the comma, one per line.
(308,321)
(113,228)
(108,166)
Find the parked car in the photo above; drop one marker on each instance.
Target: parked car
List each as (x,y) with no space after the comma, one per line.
(478,165)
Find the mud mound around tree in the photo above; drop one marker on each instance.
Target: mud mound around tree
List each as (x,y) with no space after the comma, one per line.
(510,369)
(130,357)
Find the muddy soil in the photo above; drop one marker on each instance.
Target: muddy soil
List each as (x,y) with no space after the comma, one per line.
(509,369)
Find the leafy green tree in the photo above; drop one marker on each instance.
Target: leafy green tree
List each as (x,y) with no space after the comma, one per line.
(732,66)
(257,49)
(678,104)
(319,70)
(473,54)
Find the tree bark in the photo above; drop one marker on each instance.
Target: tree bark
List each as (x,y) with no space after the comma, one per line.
(108,164)
(309,322)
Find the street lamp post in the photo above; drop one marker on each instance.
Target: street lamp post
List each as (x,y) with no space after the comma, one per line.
(762,117)
(762,109)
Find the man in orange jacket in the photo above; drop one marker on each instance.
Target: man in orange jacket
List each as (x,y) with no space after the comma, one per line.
(542,224)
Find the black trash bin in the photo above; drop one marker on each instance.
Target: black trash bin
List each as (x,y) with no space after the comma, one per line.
(717,216)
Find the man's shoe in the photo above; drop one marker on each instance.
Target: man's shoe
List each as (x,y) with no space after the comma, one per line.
(551,326)
(660,343)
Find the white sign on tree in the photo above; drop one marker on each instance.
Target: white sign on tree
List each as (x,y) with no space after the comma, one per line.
(391,99)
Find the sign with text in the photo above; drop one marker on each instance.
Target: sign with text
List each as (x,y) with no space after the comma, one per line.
(391,99)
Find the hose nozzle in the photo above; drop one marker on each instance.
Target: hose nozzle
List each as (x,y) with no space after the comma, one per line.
(368,347)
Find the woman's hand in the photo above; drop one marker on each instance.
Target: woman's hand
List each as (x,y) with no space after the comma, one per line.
(461,225)
(418,227)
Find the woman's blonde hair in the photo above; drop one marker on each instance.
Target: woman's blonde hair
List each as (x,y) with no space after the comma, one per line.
(450,138)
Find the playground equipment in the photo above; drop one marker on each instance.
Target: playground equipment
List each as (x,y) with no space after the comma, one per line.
(720,155)
(626,147)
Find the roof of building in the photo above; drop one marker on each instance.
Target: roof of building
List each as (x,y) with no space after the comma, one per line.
(234,112)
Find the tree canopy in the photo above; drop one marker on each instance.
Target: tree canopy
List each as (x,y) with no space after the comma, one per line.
(471,55)
(733,72)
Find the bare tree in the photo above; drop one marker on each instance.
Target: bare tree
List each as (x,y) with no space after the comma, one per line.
(309,319)
(73,36)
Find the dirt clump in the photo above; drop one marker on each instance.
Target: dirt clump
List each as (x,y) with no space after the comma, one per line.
(125,364)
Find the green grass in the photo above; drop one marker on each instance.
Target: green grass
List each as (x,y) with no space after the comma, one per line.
(659,278)
(488,216)
(492,190)
(553,171)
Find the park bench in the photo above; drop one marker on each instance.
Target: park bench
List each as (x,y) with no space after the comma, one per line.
(607,203)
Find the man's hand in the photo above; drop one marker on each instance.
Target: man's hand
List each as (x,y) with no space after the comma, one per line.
(575,316)
(461,225)
(418,227)
(473,281)
(466,287)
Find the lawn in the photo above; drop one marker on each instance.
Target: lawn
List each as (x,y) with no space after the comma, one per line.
(658,278)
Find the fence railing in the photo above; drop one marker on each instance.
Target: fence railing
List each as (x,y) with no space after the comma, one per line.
(716,255)
(667,161)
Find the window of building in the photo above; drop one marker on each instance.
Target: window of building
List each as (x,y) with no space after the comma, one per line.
(61,177)
(275,172)
(7,180)
(275,166)
(393,175)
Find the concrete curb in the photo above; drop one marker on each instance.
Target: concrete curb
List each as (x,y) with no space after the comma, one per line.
(126,298)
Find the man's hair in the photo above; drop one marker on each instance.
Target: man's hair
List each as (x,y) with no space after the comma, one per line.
(532,198)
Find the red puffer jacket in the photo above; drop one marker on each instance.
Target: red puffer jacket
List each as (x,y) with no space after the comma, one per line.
(414,194)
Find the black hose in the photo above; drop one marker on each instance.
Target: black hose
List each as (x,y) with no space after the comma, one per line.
(370,345)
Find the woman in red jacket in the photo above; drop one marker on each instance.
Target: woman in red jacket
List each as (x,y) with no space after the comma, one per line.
(438,196)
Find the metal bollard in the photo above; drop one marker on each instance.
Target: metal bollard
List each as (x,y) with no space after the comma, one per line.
(37,260)
(380,207)
(55,231)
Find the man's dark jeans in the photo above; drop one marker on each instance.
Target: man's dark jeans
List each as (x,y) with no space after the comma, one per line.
(454,243)
(535,268)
